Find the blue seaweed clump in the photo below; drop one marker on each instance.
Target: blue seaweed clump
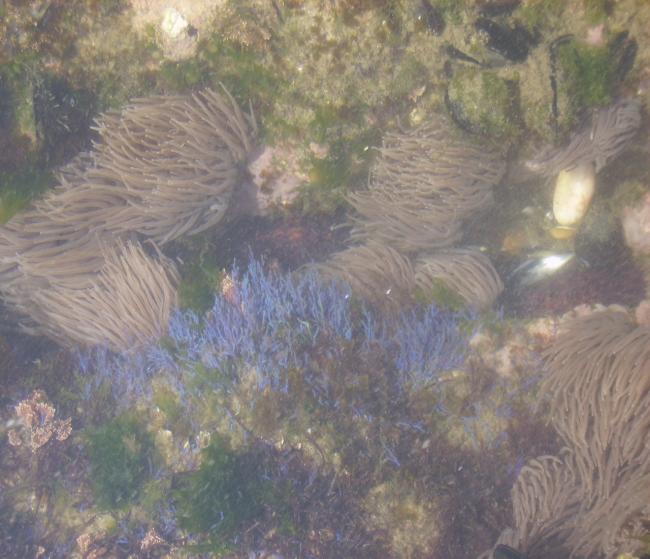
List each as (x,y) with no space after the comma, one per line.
(126,374)
(429,343)
(267,322)
(422,342)
(271,324)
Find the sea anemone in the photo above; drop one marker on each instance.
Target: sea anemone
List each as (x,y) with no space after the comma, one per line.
(464,271)
(127,305)
(376,272)
(610,131)
(162,167)
(588,501)
(425,182)
(544,504)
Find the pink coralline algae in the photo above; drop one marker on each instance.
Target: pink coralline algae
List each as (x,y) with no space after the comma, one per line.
(36,415)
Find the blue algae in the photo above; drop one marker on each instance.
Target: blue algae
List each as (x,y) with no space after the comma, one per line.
(273,323)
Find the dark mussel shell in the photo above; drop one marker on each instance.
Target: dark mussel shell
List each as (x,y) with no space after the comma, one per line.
(494,8)
(623,50)
(453,52)
(513,43)
(432,17)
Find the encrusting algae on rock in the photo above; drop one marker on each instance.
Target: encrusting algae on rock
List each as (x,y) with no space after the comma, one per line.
(381,402)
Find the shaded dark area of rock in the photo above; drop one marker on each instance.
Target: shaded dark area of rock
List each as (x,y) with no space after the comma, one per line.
(513,43)
(619,281)
(431,16)
(494,8)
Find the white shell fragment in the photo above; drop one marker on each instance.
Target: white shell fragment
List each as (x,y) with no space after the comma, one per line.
(173,23)
(574,189)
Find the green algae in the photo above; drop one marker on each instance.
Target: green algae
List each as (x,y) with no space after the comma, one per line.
(18,189)
(228,492)
(330,178)
(120,454)
(587,73)
(484,102)
(597,11)
(442,295)
(198,284)
(538,15)
(168,403)
(242,71)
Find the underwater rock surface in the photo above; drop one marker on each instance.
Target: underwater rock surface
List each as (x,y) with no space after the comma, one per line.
(372,362)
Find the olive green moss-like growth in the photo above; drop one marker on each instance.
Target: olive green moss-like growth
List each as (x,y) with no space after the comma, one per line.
(540,15)
(451,10)
(120,455)
(228,491)
(439,294)
(168,404)
(484,102)
(587,75)
(197,287)
(597,10)
(17,189)
(241,70)
(346,164)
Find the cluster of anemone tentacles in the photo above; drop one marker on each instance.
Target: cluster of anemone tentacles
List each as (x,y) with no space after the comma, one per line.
(426,183)
(591,500)
(162,167)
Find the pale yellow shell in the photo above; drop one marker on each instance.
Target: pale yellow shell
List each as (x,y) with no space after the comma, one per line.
(563,232)
(574,189)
